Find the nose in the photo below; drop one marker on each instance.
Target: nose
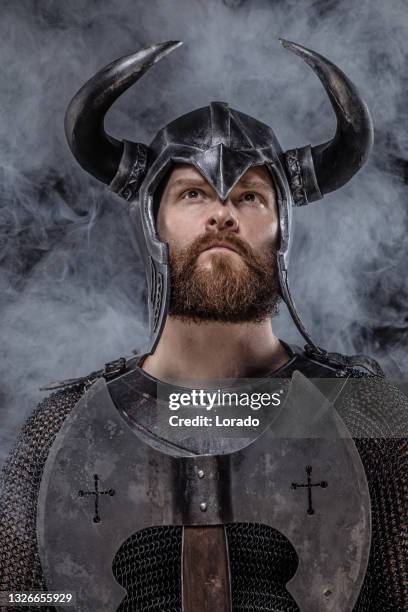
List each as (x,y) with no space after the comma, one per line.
(222,216)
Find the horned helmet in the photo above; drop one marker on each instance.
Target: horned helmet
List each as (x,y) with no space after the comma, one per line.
(222,144)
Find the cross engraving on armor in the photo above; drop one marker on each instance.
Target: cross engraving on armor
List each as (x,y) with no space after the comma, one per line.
(96,492)
(323,484)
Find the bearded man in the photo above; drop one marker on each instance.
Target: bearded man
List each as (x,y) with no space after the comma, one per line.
(223,278)
(204,521)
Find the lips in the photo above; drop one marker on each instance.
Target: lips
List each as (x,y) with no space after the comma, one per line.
(222,245)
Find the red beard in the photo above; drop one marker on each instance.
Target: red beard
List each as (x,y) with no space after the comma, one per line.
(228,292)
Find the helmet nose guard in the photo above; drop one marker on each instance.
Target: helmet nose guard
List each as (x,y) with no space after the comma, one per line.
(222,144)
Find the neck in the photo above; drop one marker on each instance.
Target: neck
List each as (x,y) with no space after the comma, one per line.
(212,350)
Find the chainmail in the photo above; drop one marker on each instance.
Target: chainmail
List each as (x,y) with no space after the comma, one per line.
(146,560)
(262,560)
(20,567)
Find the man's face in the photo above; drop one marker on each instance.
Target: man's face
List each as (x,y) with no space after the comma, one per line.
(222,254)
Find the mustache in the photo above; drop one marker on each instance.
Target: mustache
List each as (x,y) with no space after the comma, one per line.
(202,243)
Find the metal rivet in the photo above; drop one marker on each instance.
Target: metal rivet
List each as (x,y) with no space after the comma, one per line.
(327,593)
(203,506)
(200,473)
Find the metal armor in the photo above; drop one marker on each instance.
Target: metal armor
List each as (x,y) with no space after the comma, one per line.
(104,481)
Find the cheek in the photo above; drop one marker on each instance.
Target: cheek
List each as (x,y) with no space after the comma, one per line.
(271,228)
(262,231)
(274,231)
(168,226)
(161,228)
(174,228)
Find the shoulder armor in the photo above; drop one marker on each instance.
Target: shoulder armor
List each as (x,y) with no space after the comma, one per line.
(111,370)
(346,364)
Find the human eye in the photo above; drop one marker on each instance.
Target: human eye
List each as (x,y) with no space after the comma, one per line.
(252,197)
(192,194)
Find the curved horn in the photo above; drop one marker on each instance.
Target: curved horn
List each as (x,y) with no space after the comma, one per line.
(96,151)
(316,171)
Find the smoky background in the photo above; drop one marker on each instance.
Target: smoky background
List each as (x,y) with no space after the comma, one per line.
(72,283)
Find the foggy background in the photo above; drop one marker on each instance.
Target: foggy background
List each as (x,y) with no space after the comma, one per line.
(72,284)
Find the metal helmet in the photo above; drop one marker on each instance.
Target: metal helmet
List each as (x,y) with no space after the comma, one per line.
(222,144)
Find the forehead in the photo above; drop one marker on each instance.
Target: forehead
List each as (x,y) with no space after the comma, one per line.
(188,173)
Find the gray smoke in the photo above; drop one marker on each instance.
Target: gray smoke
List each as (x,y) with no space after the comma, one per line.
(72,284)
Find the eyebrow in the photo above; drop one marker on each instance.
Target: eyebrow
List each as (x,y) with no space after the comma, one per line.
(186,182)
(201,182)
(251,184)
